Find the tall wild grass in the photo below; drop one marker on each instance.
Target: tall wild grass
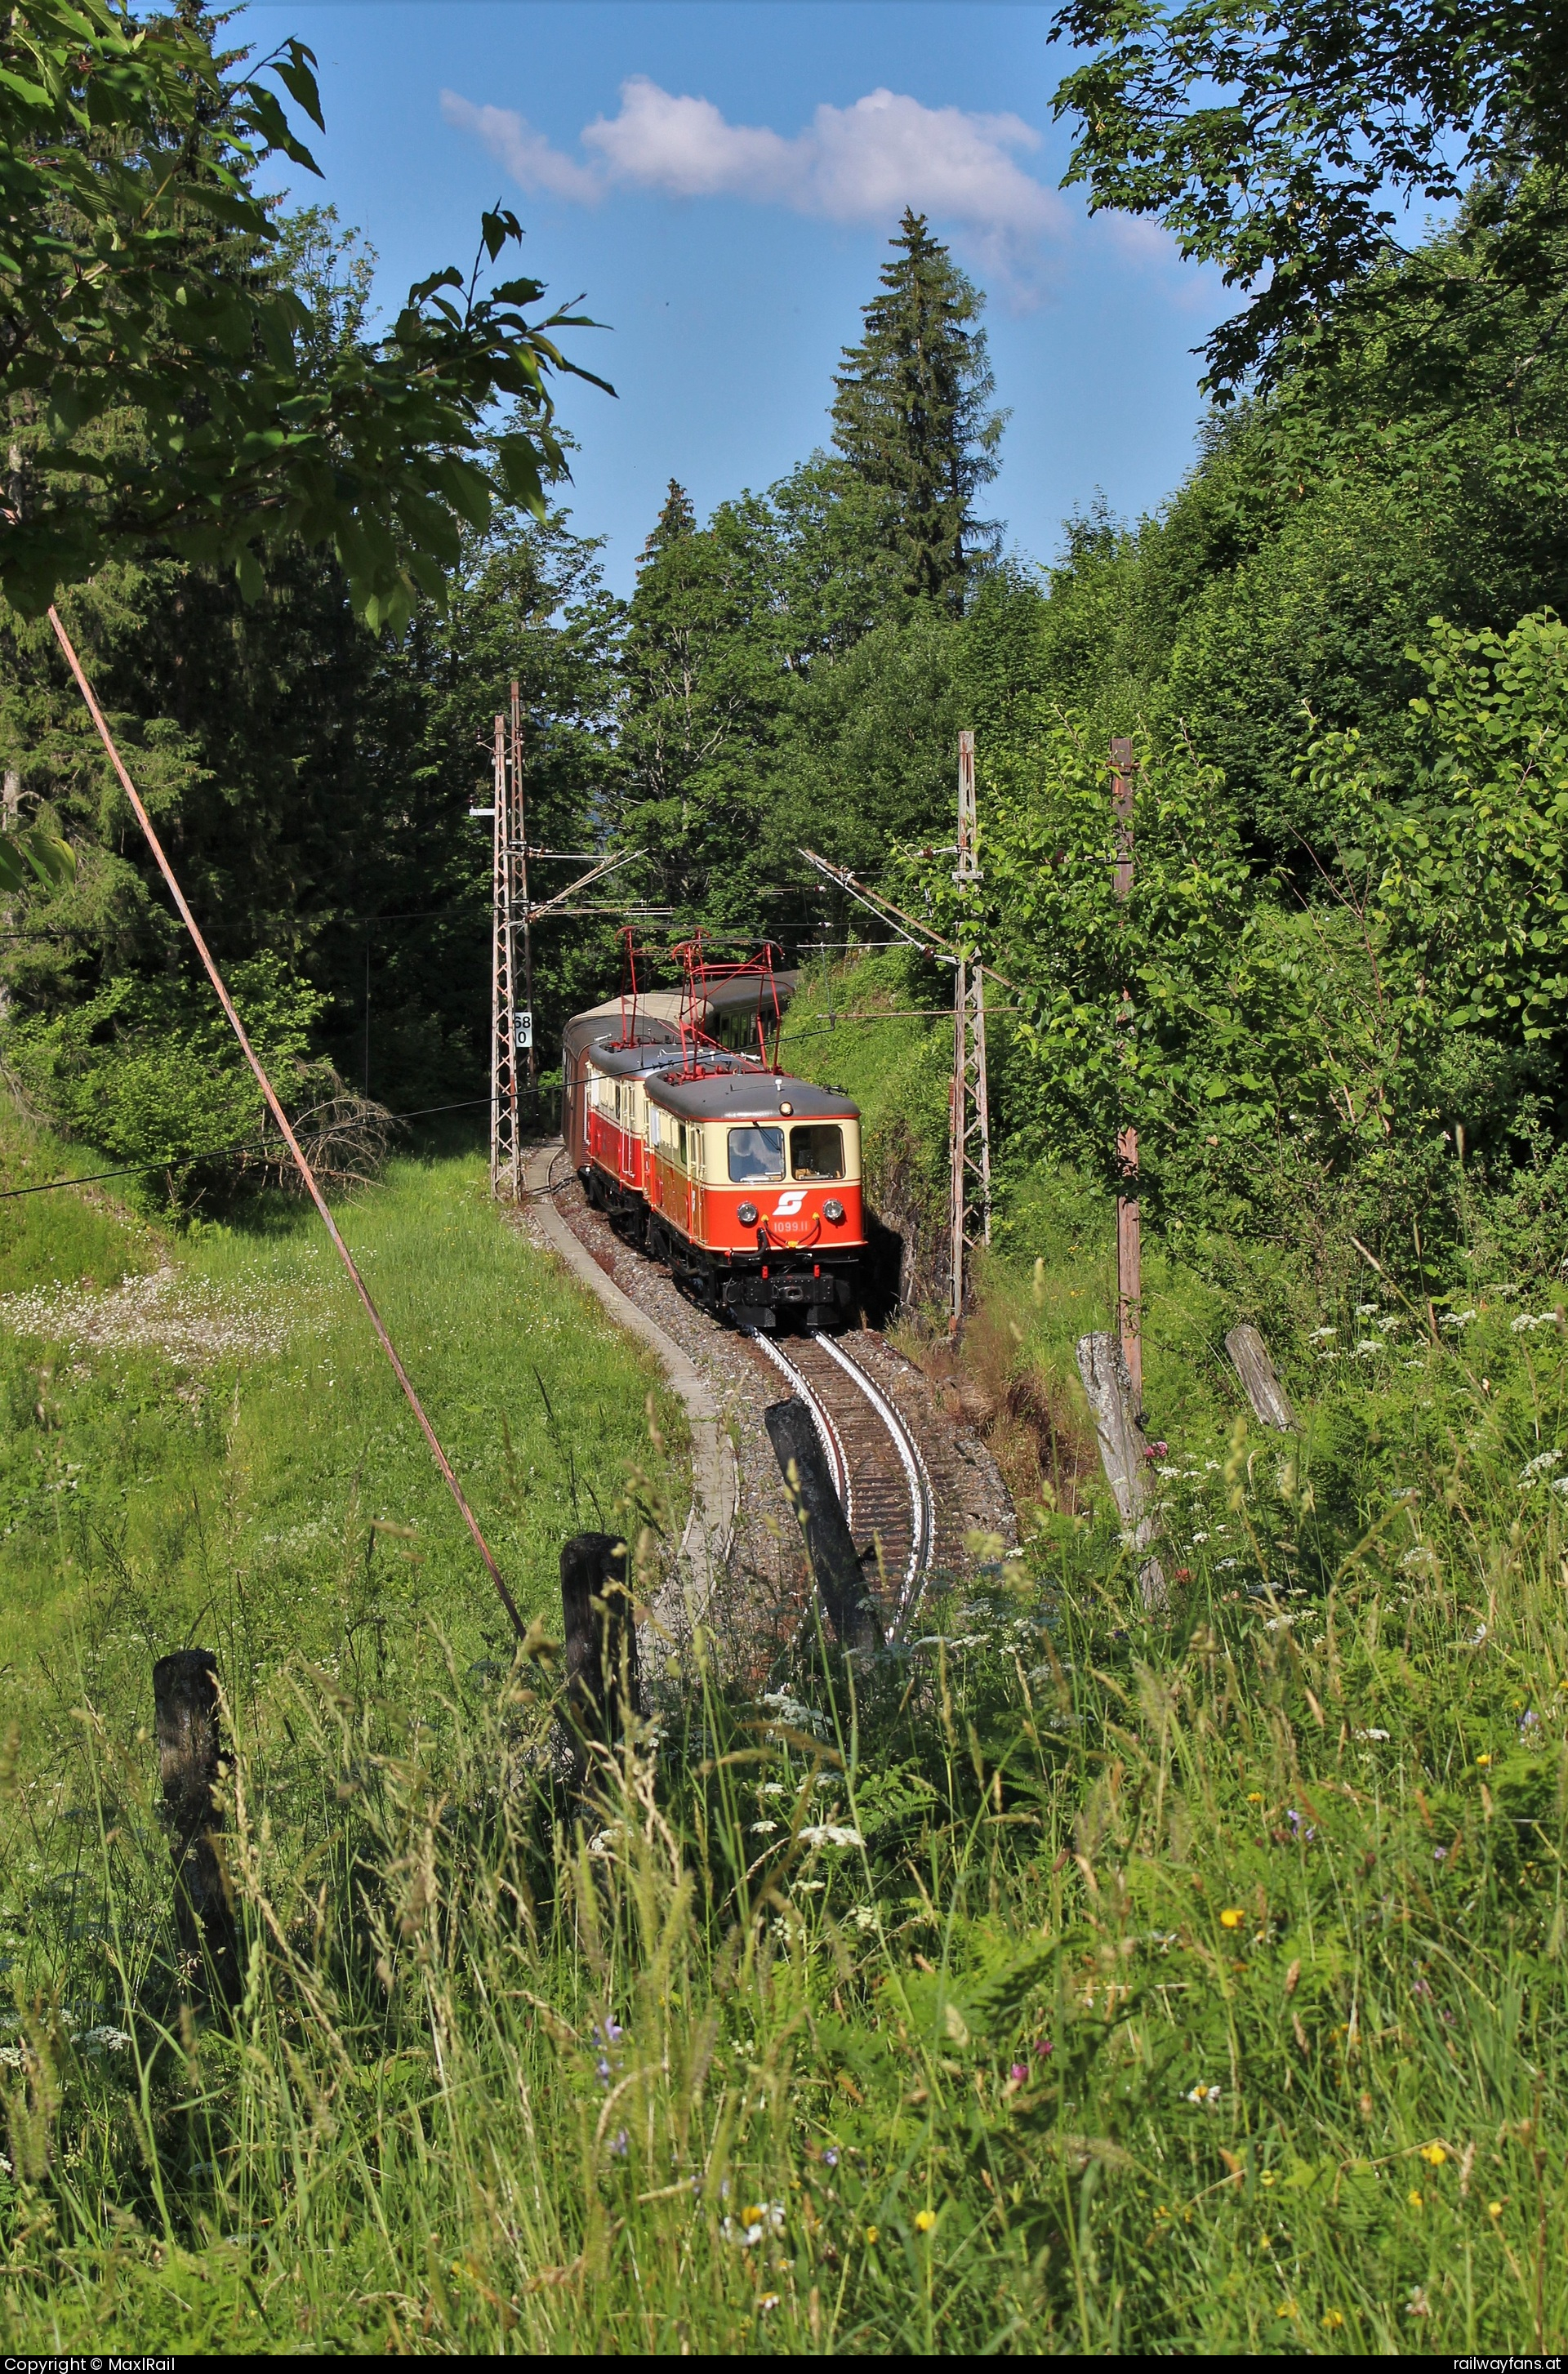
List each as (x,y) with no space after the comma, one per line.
(1062,1981)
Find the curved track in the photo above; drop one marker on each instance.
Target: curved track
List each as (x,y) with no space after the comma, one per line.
(878,1470)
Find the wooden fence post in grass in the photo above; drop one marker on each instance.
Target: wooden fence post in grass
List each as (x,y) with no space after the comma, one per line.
(603,1685)
(1249,1357)
(1124,1451)
(185,1691)
(835,1563)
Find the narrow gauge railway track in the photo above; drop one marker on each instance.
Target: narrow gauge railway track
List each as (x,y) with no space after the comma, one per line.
(878,1470)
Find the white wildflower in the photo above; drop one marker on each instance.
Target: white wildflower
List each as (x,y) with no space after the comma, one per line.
(831,1833)
(1373,1734)
(1455,1319)
(106,2040)
(1540,1463)
(1206,2097)
(1419,1556)
(1369,1344)
(1200,1537)
(763,1830)
(1322,1335)
(1167,1471)
(1221,1564)
(1389,1321)
(1560,1483)
(762,2218)
(790,1710)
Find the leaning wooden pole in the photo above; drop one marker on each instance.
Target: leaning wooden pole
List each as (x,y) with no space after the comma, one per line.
(1129,1240)
(285,1127)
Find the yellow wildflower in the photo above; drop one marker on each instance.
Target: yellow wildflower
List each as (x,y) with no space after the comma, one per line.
(1255,1796)
(1232,1918)
(924,2220)
(1332,2320)
(1484,1760)
(1287,2308)
(1433,2155)
(870,2236)
(1494,2208)
(1415,2201)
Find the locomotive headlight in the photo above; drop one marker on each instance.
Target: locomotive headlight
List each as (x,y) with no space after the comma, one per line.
(833,1209)
(746,1215)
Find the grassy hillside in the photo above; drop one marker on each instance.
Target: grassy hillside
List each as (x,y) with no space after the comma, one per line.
(205,1444)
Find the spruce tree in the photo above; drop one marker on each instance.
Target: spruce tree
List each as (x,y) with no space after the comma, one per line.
(914,412)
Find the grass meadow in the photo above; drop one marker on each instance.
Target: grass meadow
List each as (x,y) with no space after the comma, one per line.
(1066,1980)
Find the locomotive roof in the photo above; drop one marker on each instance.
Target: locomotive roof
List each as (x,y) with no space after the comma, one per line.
(749,1094)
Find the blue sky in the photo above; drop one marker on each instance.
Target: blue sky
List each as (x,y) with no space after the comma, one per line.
(722,180)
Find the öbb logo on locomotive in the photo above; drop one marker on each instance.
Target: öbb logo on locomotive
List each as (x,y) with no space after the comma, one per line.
(742,1178)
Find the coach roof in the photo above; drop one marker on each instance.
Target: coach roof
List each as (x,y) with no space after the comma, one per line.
(749,1096)
(622,1062)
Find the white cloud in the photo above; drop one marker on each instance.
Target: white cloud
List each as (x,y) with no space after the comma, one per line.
(862,163)
(526,154)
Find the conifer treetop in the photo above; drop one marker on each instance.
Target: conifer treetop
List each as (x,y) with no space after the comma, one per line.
(914,412)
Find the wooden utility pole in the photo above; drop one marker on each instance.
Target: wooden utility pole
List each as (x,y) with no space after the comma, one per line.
(1129,1246)
(524,1036)
(969,1215)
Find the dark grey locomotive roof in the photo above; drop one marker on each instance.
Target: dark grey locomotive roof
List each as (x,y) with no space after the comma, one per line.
(624,1062)
(749,1094)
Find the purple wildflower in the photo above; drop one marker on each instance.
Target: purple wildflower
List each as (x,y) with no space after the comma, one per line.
(622,2141)
(1017,2073)
(831,2155)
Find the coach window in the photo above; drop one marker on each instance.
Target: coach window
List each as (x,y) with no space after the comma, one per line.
(756,1154)
(817,1152)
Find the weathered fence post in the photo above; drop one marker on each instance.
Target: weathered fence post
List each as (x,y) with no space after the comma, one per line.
(184,1690)
(1249,1357)
(830,1546)
(602,1682)
(1124,1451)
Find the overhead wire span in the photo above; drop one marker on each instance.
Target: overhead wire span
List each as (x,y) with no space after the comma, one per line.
(285,1128)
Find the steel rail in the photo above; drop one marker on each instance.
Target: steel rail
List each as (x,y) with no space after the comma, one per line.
(821,1419)
(923,1531)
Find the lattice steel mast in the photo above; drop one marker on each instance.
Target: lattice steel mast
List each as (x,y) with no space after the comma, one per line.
(506,1147)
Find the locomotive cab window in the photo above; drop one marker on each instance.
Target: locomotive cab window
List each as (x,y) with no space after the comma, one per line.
(817,1151)
(756,1153)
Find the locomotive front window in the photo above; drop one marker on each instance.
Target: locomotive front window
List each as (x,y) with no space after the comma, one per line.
(817,1152)
(756,1154)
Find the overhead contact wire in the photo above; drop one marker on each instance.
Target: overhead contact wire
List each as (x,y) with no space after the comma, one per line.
(281,1118)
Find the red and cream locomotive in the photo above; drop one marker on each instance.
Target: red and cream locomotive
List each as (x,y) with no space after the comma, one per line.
(742,1180)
